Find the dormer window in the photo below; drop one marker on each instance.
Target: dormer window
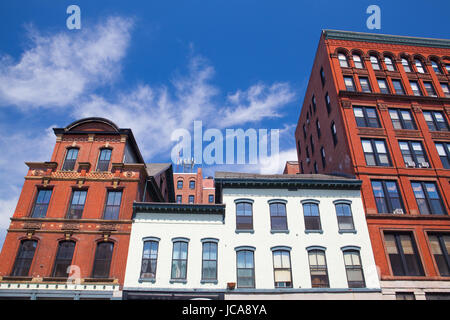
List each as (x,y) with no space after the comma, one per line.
(70,160)
(104,159)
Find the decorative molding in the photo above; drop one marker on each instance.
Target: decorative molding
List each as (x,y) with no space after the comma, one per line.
(70,226)
(108,227)
(416,108)
(32,225)
(372,131)
(408,133)
(440,135)
(346,104)
(382,106)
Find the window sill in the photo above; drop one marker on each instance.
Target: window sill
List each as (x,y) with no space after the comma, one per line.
(209,281)
(146,280)
(314,231)
(279,231)
(245,231)
(347,231)
(178,281)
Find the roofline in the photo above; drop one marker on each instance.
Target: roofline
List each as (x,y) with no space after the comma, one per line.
(161,207)
(386,38)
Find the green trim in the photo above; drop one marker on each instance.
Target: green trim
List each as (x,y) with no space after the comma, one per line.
(289,183)
(178,208)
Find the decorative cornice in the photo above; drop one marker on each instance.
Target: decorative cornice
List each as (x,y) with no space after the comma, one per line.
(289,183)
(158,207)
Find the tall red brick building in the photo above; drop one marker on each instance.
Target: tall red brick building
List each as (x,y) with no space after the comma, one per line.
(193,188)
(75,210)
(377,107)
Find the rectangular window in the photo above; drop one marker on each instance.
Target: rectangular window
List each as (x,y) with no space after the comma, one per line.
(179,260)
(445,89)
(440,247)
(179,198)
(318,128)
(41,204)
(244,216)
(405,296)
(413,154)
(375,63)
(103,160)
(191,199)
(180,184)
(382,84)
(312,144)
(435,120)
(366,117)
(322,76)
(282,269)
(443,149)
(102,260)
(402,119)
(402,253)
(430,89)
(149,259)
(278,218)
(318,269)
(245,269)
(387,196)
(354,270)
(365,85)
(63,259)
(357,61)
(375,152)
(77,204)
(312,217)
(328,103)
(428,198)
(416,88)
(344,216)
(322,154)
(349,84)
(334,133)
(398,87)
(313,100)
(192,184)
(112,208)
(210,198)
(209,261)
(71,159)
(24,258)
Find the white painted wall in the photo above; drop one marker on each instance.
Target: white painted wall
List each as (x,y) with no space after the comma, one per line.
(199,226)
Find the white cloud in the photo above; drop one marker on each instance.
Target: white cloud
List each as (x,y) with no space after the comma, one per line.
(59,68)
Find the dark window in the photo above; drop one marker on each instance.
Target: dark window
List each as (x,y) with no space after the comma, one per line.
(343,60)
(149,259)
(322,76)
(244,216)
(387,197)
(77,204)
(245,269)
(299,147)
(24,258)
(191,199)
(304,131)
(278,218)
(428,198)
(365,85)
(354,270)
(318,128)
(344,216)
(318,269)
(41,205)
(322,154)
(180,184)
(436,67)
(63,259)
(437,296)
(71,158)
(328,102)
(312,216)
(413,154)
(103,160)
(382,84)
(430,89)
(402,253)
(112,208)
(375,63)
(435,121)
(402,119)
(440,247)
(443,149)
(313,100)
(210,198)
(102,261)
(349,84)
(192,184)
(419,66)
(405,64)
(398,87)
(366,117)
(389,64)
(282,269)
(179,260)
(209,261)
(375,152)
(416,88)
(312,144)
(357,61)
(301,167)
(334,133)
(316,168)
(445,89)
(405,296)
(179,198)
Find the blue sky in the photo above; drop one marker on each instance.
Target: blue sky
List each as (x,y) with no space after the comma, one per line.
(155,66)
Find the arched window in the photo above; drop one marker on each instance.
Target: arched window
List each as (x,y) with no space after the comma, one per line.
(344,216)
(278,218)
(282,269)
(318,268)
(244,216)
(180,184)
(419,66)
(245,269)
(104,159)
(312,216)
(63,258)
(358,62)
(192,184)
(405,65)
(179,260)
(374,62)
(437,69)
(342,60)
(70,160)
(389,64)
(24,258)
(354,270)
(102,260)
(209,261)
(149,259)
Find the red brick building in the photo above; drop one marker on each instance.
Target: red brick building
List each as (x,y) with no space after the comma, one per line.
(377,107)
(291,167)
(193,188)
(76,210)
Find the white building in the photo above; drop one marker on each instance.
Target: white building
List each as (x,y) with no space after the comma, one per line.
(272,237)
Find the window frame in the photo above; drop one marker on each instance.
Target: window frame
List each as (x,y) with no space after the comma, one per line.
(19,262)
(434,120)
(40,205)
(343,60)
(238,224)
(366,118)
(282,250)
(272,204)
(71,162)
(72,216)
(375,62)
(354,284)
(253,268)
(391,65)
(353,87)
(446,147)
(215,243)
(176,241)
(375,153)
(64,261)
(385,90)
(344,203)
(108,191)
(318,267)
(317,216)
(95,263)
(413,153)
(444,251)
(401,120)
(101,163)
(367,88)
(387,196)
(400,251)
(396,90)
(428,199)
(152,241)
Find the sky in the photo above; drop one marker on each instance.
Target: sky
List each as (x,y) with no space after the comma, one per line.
(157,66)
